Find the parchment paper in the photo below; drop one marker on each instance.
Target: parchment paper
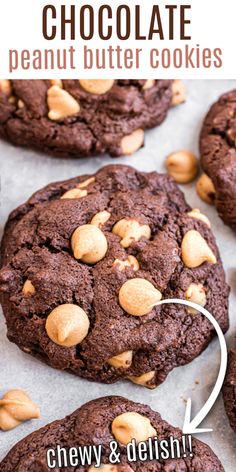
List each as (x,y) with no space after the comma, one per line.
(59,393)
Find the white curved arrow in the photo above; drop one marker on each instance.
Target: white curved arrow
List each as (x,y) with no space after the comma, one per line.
(191,427)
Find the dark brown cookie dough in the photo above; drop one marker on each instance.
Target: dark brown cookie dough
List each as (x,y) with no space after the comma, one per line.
(75,122)
(218,154)
(92,425)
(229,390)
(36,249)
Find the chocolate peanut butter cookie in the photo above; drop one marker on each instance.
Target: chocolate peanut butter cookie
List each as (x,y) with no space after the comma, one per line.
(229,390)
(79,118)
(98,423)
(218,156)
(85,260)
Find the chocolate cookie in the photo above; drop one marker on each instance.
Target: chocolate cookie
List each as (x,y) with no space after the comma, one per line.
(83,262)
(98,423)
(218,154)
(229,390)
(80,118)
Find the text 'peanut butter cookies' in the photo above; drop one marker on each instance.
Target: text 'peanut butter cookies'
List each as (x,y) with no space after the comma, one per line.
(218,158)
(81,273)
(80,118)
(98,423)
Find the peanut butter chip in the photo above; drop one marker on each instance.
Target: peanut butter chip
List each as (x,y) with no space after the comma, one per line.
(106,468)
(123,360)
(132,142)
(67,325)
(131,230)
(74,193)
(195,250)
(144,379)
(86,182)
(89,244)
(12,100)
(61,104)
(178,93)
(205,189)
(28,288)
(149,84)
(100,218)
(98,87)
(137,296)
(20,104)
(5,86)
(15,408)
(197,294)
(57,82)
(131,261)
(182,166)
(132,425)
(195,213)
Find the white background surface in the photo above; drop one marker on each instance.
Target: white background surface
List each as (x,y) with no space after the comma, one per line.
(58,393)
